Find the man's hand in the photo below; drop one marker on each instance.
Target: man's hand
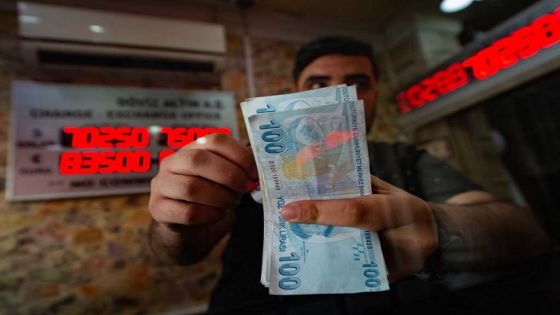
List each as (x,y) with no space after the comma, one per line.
(193,190)
(405,223)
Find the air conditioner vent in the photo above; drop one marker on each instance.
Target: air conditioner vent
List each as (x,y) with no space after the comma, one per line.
(54,35)
(53,57)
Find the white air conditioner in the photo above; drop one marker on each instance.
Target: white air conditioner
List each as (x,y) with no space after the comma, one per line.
(59,35)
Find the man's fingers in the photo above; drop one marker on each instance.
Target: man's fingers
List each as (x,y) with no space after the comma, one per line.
(195,189)
(209,165)
(230,149)
(341,212)
(171,211)
(373,212)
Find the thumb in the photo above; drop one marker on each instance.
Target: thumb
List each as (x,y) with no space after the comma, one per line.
(379,186)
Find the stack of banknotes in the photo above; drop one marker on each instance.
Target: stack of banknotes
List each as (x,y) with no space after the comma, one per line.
(312,145)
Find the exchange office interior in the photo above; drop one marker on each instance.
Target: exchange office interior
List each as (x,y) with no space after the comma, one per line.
(75,242)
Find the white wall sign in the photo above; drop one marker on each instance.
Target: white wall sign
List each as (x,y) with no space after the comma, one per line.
(80,140)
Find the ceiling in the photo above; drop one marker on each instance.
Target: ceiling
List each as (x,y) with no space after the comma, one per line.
(481,16)
(356,12)
(372,12)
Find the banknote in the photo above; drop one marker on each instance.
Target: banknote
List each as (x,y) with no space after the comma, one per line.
(316,153)
(304,99)
(286,102)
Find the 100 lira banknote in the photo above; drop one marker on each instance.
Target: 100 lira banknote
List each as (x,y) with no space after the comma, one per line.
(315,152)
(280,103)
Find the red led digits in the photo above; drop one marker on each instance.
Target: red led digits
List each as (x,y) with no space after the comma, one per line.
(457,77)
(522,43)
(107,163)
(428,92)
(89,163)
(108,137)
(504,53)
(86,163)
(413,96)
(127,137)
(548,30)
(442,82)
(136,162)
(483,65)
(81,137)
(70,163)
(178,137)
(111,162)
(527,42)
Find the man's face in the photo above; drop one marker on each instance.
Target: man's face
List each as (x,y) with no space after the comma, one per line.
(341,69)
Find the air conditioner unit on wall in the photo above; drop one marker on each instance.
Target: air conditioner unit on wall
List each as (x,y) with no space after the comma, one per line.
(54,35)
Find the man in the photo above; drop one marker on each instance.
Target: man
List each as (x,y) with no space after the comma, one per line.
(436,221)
